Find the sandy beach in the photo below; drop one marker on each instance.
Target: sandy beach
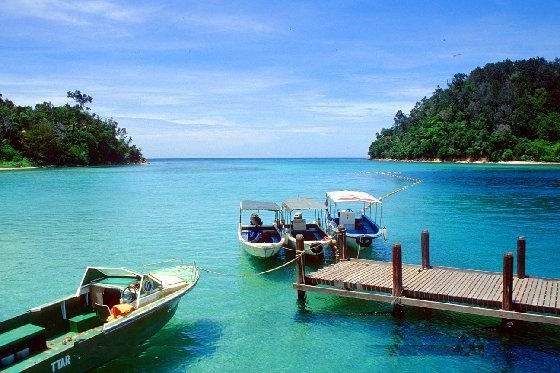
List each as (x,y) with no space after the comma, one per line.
(16,168)
(519,163)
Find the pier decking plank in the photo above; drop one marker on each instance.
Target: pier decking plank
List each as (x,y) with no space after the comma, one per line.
(441,285)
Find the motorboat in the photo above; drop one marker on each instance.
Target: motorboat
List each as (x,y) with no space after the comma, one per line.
(354,210)
(316,239)
(258,239)
(113,311)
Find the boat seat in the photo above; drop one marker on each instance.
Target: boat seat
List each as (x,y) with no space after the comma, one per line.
(299,225)
(84,322)
(102,311)
(347,218)
(21,341)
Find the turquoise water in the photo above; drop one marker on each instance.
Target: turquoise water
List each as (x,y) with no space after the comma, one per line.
(54,223)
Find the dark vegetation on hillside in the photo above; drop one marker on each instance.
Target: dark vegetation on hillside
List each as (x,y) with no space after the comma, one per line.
(68,135)
(503,111)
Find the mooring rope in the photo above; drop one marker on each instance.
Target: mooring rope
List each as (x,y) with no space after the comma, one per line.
(160,262)
(252,274)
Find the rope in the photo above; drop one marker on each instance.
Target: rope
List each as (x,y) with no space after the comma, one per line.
(253,274)
(398,176)
(160,262)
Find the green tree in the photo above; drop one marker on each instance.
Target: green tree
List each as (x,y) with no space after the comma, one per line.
(509,105)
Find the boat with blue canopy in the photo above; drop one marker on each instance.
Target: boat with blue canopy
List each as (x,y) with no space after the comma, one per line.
(362,226)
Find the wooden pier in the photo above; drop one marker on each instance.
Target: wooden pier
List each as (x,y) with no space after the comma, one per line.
(494,294)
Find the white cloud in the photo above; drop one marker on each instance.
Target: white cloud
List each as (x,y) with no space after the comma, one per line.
(71,12)
(355,110)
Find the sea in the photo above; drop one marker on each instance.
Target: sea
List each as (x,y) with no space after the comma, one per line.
(55,222)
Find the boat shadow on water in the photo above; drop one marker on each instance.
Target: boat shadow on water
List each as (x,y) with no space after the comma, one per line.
(175,347)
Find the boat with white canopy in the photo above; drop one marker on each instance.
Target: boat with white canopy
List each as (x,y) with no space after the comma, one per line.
(314,236)
(257,239)
(362,226)
(112,312)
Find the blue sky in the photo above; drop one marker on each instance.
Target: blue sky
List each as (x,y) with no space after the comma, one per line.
(258,79)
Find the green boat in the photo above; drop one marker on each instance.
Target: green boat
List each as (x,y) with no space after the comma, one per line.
(113,311)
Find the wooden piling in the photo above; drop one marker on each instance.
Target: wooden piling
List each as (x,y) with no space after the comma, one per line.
(300,265)
(397,271)
(507,292)
(521,244)
(334,249)
(341,243)
(425,243)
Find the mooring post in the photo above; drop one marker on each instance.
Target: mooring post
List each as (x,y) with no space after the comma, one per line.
(300,265)
(521,244)
(397,271)
(341,242)
(507,293)
(425,243)
(334,248)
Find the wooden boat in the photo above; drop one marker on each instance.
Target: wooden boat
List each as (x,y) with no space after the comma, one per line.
(260,240)
(315,238)
(361,228)
(113,311)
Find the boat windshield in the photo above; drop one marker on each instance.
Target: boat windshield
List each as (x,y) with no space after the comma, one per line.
(118,278)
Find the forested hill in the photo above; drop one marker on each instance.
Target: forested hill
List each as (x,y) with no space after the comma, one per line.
(68,135)
(503,111)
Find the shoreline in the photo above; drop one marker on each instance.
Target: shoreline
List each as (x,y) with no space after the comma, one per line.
(93,166)
(17,168)
(513,163)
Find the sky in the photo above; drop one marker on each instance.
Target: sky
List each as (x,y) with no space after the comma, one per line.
(258,79)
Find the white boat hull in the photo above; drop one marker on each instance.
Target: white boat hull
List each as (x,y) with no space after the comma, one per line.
(260,250)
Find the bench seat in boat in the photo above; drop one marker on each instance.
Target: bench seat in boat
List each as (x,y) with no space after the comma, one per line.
(84,322)
(30,338)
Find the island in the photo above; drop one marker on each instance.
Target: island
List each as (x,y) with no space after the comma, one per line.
(68,135)
(504,111)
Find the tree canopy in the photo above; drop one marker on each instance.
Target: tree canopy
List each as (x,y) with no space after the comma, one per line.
(508,110)
(68,135)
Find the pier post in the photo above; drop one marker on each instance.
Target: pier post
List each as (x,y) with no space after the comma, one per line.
(507,293)
(521,244)
(341,242)
(397,271)
(425,243)
(334,249)
(300,265)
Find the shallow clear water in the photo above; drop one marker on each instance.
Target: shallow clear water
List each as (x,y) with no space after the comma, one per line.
(54,223)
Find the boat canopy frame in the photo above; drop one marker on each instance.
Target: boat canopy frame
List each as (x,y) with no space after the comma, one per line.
(301,204)
(349,196)
(249,205)
(259,205)
(352,196)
